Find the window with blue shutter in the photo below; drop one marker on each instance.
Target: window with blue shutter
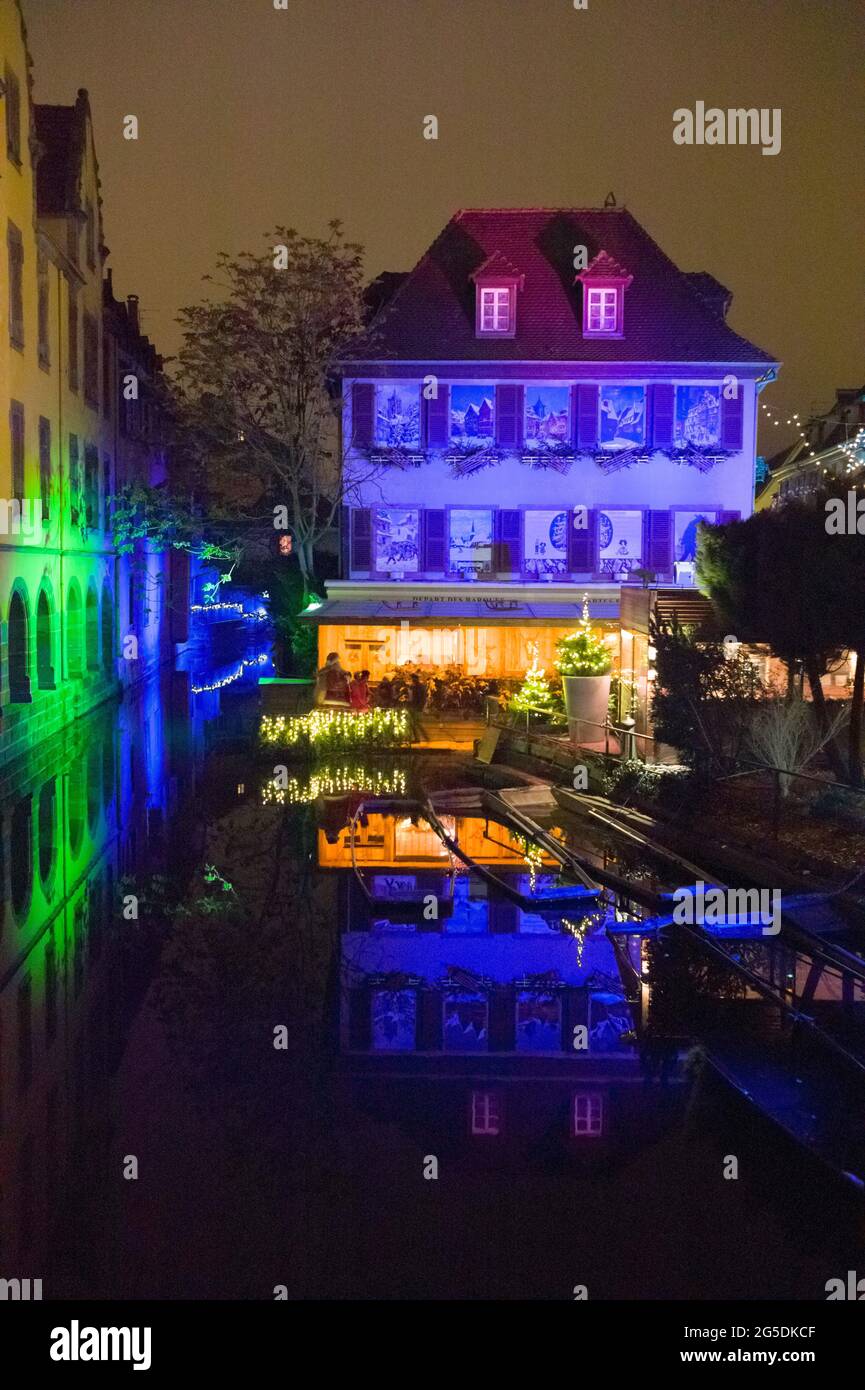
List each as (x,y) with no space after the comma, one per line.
(731,421)
(361,538)
(434,539)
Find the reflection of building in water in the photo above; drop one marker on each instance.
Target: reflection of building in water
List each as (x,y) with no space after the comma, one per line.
(77,817)
(502,1018)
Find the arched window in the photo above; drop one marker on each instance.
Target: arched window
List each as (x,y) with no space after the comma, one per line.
(21,857)
(91,629)
(47,829)
(74,634)
(44,668)
(107,631)
(19,656)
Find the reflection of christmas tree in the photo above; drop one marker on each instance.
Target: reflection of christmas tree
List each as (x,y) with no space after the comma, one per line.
(535,692)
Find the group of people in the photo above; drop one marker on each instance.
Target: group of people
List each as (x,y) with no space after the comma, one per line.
(336,686)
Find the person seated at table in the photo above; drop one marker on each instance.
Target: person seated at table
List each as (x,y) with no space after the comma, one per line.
(359,691)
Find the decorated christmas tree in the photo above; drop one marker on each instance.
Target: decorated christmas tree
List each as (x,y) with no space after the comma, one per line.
(535,692)
(583,654)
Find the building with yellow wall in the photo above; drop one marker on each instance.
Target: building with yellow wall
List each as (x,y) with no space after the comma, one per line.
(66,599)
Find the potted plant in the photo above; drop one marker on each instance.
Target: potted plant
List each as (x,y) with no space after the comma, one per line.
(584,663)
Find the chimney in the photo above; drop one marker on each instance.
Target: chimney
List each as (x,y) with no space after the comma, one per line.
(132,310)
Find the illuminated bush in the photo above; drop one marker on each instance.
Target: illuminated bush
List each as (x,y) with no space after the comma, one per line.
(337,731)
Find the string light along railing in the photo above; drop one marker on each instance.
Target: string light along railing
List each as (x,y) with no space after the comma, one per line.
(235,675)
(256,614)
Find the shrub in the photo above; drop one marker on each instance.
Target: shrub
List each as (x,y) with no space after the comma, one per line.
(839,804)
(650,781)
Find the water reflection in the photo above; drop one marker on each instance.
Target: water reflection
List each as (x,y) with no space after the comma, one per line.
(213,974)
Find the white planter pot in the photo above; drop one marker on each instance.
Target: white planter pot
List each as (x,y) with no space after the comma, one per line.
(587,701)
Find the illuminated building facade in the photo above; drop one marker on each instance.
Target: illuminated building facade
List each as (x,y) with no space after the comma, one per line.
(72,437)
(544,406)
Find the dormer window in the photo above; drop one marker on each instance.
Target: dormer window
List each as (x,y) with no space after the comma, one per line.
(496,285)
(495,310)
(601,310)
(604,284)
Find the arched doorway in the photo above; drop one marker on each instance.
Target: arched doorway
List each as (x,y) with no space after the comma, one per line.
(19,656)
(44,667)
(74,634)
(91,629)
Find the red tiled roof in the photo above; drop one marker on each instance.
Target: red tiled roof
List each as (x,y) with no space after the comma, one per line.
(496,264)
(431,317)
(603,267)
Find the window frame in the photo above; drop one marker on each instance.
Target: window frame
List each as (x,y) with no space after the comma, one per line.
(13,126)
(610,575)
(18,450)
(590,1126)
(492,1102)
(450,570)
(496,287)
(43,311)
(15,258)
(592,288)
(45,467)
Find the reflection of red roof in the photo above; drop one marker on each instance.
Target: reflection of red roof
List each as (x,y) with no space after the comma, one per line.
(431,315)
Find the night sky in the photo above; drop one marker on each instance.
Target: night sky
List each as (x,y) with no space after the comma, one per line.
(251,117)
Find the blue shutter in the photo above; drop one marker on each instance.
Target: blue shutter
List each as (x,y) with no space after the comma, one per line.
(663,405)
(361,538)
(508,412)
(731,421)
(587,416)
(510,534)
(583,545)
(434,538)
(658,547)
(437,414)
(362,413)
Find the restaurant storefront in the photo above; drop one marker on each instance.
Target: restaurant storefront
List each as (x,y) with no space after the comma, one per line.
(488,633)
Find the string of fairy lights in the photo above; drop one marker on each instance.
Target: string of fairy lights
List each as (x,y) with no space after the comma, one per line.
(852,448)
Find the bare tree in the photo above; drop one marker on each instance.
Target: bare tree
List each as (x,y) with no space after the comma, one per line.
(786,735)
(256,400)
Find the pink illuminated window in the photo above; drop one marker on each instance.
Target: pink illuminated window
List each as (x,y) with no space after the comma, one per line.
(588,1115)
(495,310)
(486,1114)
(601,317)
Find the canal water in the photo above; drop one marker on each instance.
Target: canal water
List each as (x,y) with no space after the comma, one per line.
(237,1064)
